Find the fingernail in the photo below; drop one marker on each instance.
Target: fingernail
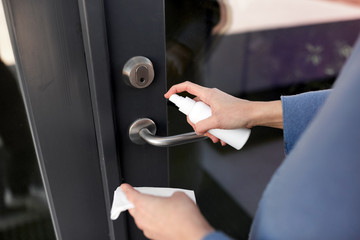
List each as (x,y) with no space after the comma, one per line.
(124,188)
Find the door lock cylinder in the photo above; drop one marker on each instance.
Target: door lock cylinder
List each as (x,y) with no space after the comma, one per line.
(138,72)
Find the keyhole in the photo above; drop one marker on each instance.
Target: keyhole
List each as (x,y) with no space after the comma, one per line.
(141,75)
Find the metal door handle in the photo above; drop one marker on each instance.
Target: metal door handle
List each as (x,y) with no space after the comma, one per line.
(143,131)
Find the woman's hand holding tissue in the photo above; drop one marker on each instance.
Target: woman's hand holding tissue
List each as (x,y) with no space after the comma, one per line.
(175,217)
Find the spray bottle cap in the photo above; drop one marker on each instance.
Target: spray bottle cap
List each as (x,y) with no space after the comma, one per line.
(185,104)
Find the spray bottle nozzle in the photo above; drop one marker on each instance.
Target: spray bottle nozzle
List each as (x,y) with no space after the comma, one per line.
(175,98)
(185,104)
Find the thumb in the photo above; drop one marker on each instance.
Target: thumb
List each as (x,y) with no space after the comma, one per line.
(131,194)
(205,125)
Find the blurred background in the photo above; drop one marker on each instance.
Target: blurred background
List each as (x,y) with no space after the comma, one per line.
(24,212)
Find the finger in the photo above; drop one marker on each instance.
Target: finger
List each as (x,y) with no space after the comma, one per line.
(212,137)
(189,87)
(131,194)
(178,194)
(132,212)
(205,125)
(149,234)
(222,143)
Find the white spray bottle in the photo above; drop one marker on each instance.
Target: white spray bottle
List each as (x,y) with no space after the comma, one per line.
(198,111)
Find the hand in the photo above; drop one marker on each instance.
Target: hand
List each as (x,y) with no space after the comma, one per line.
(229,112)
(175,217)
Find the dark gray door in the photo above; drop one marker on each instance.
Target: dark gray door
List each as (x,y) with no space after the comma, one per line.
(71,56)
(137,28)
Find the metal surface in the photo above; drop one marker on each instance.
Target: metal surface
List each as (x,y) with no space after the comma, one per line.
(138,72)
(92,17)
(137,126)
(55,84)
(143,131)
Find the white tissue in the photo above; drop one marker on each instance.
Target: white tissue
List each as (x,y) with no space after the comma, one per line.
(120,202)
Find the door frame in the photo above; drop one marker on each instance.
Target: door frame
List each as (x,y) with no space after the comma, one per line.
(62,60)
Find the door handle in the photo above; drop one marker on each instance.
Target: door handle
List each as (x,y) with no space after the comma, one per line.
(143,131)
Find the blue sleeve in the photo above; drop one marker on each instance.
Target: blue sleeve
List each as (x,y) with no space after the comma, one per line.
(298,111)
(216,236)
(315,193)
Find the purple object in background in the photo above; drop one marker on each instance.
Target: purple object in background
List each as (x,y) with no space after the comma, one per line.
(268,59)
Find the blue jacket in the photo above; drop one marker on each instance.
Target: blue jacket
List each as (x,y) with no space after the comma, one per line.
(315,193)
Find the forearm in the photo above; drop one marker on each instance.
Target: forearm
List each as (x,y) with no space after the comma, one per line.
(268,114)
